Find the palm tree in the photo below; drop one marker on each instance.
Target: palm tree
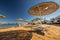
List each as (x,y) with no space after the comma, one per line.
(58,20)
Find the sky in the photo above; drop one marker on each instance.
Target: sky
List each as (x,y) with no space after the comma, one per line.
(13,9)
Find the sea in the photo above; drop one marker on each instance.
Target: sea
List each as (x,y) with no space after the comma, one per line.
(8,25)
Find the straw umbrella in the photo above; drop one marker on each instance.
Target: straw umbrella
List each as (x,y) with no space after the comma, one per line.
(44,8)
(25,22)
(2,16)
(36,20)
(21,20)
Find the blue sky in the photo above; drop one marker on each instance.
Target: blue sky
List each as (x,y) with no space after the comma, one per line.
(13,9)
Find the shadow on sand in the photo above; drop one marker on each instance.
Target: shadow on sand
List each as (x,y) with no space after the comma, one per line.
(39,32)
(55,24)
(18,35)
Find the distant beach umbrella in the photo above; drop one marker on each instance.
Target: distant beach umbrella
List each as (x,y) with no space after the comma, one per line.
(26,21)
(19,19)
(44,8)
(38,19)
(2,16)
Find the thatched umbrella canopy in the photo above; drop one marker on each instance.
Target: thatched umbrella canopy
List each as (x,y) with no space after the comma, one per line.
(44,8)
(38,19)
(2,16)
(19,19)
(25,21)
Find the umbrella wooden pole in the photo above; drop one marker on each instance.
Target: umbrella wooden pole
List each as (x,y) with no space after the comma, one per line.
(17,23)
(40,17)
(44,8)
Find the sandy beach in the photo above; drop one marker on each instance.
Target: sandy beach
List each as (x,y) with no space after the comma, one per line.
(51,33)
(29,20)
